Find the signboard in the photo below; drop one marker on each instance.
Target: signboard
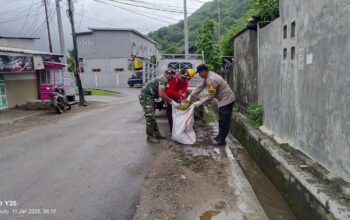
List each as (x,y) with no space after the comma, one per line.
(16,64)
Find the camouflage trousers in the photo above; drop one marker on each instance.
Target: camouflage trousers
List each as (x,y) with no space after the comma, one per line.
(147,103)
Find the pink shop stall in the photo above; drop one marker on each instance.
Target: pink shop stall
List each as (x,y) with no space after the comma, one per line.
(50,76)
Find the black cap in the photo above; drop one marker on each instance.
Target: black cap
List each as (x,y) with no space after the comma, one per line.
(201,68)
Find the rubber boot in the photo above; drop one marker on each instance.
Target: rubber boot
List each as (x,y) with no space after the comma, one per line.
(156,132)
(150,134)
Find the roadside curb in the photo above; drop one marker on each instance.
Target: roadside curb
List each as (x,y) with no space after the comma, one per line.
(310,190)
(248,201)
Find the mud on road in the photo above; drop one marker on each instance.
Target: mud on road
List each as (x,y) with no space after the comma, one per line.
(46,118)
(187,183)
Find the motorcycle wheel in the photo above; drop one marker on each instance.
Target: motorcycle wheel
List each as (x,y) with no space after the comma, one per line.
(69,106)
(59,110)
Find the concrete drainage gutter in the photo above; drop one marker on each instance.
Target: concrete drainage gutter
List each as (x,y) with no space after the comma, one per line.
(309,189)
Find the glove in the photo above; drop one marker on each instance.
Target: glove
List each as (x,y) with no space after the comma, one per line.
(189,98)
(197,104)
(175,104)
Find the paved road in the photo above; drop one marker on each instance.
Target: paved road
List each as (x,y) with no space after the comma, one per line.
(89,166)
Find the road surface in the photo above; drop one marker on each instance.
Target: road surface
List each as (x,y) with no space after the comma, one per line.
(89,166)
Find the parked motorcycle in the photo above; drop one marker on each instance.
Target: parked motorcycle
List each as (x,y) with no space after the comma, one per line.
(59,100)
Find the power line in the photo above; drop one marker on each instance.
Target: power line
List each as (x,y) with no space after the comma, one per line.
(159,19)
(146,7)
(157,5)
(25,21)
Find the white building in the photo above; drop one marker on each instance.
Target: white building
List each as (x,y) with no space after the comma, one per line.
(106,53)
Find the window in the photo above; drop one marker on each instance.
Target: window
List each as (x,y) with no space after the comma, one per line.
(119,69)
(177,67)
(46,77)
(186,65)
(58,76)
(285,53)
(285,32)
(292,56)
(174,66)
(292,31)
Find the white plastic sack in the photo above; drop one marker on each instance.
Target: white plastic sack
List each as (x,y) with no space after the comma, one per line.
(183,132)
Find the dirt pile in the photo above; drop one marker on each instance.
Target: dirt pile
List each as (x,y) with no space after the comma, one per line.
(185,183)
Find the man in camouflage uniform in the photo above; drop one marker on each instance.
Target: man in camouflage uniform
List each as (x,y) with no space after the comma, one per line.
(153,90)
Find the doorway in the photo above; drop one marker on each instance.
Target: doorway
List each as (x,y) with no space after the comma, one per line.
(3,96)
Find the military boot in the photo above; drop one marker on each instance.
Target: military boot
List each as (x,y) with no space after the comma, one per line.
(156,132)
(150,134)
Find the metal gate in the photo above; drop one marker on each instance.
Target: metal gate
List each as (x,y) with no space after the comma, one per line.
(3,97)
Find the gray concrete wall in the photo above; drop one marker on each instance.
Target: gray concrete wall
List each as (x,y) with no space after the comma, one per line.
(116,44)
(108,50)
(307,100)
(102,44)
(27,44)
(108,77)
(269,59)
(245,71)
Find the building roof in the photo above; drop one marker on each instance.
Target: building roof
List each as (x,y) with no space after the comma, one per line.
(24,38)
(118,29)
(24,51)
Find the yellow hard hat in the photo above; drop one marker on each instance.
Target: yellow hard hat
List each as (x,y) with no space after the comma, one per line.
(191,73)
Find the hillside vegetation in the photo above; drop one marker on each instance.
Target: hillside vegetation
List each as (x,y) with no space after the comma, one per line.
(172,37)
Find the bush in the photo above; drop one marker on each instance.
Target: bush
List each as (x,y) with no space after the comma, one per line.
(255,113)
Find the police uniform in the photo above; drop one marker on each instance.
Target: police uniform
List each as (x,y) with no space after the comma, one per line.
(219,89)
(146,98)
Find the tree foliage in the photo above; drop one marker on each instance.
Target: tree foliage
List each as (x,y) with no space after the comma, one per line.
(266,10)
(70,61)
(172,37)
(208,44)
(234,17)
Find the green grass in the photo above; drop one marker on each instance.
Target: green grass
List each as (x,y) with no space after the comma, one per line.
(255,113)
(208,117)
(245,217)
(99,92)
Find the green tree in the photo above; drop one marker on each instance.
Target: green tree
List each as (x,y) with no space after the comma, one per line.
(207,43)
(266,10)
(171,38)
(70,61)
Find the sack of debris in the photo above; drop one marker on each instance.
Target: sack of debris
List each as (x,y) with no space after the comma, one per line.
(183,121)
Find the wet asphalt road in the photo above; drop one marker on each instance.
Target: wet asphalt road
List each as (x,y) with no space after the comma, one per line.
(89,166)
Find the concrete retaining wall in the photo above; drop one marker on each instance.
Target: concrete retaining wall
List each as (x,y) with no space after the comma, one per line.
(309,189)
(306,94)
(245,71)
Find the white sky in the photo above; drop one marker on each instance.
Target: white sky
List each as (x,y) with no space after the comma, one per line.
(26,18)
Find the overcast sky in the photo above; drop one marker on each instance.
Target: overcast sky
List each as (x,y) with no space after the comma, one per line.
(26,18)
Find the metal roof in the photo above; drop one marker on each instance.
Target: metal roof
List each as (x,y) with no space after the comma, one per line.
(118,29)
(24,51)
(24,38)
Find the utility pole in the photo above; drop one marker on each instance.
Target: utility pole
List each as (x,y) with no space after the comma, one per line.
(60,27)
(219,20)
(186,29)
(76,56)
(48,25)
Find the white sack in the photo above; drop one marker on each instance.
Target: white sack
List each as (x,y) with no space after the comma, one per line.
(183,132)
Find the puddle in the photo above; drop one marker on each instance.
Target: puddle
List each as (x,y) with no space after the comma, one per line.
(219,213)
(196,151)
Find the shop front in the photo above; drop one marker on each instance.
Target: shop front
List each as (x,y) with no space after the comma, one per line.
(18,81)
(49,77)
